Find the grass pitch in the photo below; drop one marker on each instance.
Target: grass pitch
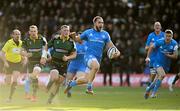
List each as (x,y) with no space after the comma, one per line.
(106,98)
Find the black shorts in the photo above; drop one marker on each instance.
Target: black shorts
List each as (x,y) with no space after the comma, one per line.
(32,64)
(13,67)
(61,68)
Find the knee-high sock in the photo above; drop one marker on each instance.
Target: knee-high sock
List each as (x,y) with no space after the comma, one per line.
(73,83)
(50,83)
(34,86)
(12,89)
(175,79)
(27,86)
(55,88)
(89,85)
(54,91)
(150,87)
(156,87)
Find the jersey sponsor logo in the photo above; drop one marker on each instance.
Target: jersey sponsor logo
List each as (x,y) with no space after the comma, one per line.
(166,52)
(16,50)
(34,50)
(97,41)
(57,42)
(61,50)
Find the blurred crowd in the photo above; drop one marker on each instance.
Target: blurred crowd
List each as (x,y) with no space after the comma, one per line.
(128,21)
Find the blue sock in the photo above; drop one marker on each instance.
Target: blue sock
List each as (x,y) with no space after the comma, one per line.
(157,85)
(73,83)
(151,86)
(27,85)
(89,86)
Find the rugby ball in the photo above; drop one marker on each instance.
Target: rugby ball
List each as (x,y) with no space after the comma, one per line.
(111,51)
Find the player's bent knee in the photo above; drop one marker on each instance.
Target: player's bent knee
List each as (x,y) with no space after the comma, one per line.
(15,76)
(95,66)
(54,74)
(161,75)
(69,76)
(61,78)
(37,70)
(93,63)
(85,80)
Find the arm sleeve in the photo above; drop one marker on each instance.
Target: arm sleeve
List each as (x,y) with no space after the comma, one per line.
(44,41)
(175,48)
(6,47)
(74,47)
(148,41)
(24,44)
(108,38)
(84,36)
(50,43)
(157,43)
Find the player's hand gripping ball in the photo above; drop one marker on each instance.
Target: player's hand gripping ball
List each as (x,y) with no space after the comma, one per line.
(111,52)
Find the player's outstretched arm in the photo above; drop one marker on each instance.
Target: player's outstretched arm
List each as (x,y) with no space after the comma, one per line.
(71,56)
(75,37)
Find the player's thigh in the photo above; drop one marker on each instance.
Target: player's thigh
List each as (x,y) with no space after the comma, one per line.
(91,61)
(15,76)
(81,74)
(160,71)
(70,76)
(93,64)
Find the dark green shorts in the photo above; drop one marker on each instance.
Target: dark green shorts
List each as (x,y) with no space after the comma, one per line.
(32,64)
(61,68)
(13,67)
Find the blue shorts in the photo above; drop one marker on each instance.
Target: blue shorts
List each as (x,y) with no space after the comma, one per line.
(151,63)
(157,65)
(88,58)
(75,67)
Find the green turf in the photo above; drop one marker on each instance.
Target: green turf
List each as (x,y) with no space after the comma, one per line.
(106,98)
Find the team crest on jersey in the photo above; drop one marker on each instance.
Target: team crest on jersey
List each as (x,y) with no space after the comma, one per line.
(103,36)
(171,47)
(57,42)
(91,34)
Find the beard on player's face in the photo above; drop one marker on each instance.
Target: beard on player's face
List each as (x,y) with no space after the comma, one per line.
(99,28)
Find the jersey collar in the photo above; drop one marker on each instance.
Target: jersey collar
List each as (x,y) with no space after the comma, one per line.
(33,38)
(65,38)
